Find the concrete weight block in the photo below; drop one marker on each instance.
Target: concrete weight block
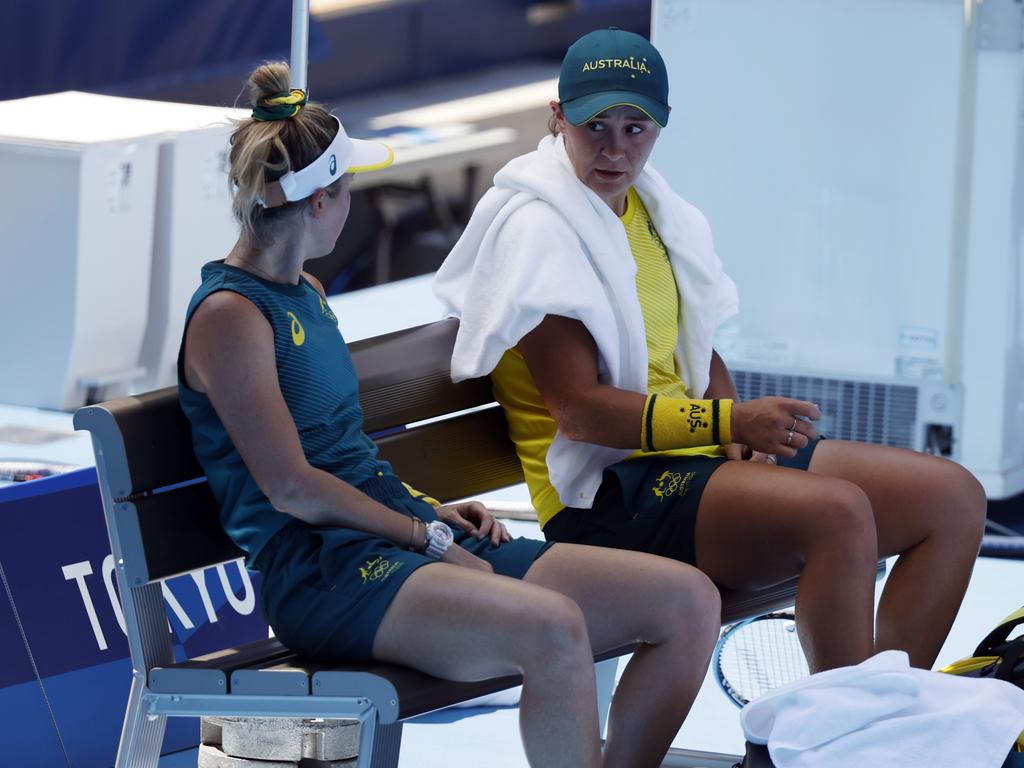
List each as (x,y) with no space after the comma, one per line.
(210,729)
(267,738)
(211,757)
(330,740)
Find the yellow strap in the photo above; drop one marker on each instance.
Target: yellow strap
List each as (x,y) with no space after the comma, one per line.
(422,496)
(1018,614)
(972,664)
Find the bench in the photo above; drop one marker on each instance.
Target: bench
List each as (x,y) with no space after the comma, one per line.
(162,520)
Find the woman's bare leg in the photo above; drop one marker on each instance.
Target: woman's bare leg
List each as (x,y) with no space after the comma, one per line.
(464,624)
(670,607)
(759,524)
(931,512)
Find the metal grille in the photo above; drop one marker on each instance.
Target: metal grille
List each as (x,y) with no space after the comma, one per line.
(870,412)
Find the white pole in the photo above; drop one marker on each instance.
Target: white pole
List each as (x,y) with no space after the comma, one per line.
(300,42)
(956,296)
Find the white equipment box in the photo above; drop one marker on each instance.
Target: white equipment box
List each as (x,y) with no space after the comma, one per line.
(76,210)
(193,226)
(108,207)
(860,162)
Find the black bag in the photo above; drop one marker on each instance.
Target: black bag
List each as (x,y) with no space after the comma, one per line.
(996,656)
(1003,659)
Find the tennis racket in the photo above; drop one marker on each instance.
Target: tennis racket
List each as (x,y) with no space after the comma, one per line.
(756,655)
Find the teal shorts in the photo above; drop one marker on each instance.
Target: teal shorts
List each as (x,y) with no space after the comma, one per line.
(325,590)
(649,504)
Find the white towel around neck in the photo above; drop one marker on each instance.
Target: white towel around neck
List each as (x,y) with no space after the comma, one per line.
(883,712)
(540,242)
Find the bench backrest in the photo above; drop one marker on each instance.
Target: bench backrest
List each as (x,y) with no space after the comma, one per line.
(164,513)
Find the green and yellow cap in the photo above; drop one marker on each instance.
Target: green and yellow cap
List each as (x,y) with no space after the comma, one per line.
(611,67)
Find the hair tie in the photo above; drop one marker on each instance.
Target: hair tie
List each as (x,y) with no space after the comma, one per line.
(279,106)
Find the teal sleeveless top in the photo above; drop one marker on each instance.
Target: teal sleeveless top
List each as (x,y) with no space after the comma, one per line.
(319,385)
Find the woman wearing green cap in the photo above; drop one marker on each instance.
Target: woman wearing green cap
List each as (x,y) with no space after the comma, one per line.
(355,565)
(590,293)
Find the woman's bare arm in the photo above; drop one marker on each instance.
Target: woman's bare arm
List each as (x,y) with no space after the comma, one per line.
(562,358)
(720,386)
(229,355)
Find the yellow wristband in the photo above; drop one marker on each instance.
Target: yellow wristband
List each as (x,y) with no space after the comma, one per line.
(670,422)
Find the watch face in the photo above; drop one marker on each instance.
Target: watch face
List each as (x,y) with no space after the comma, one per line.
(439,532)
(439,539)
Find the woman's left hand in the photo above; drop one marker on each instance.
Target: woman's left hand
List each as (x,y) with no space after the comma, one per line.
(475,519)
(737,452)
(740,452)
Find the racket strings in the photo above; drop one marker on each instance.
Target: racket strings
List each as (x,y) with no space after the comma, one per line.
(760,655)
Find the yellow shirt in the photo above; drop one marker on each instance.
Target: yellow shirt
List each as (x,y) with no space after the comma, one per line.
(531,427)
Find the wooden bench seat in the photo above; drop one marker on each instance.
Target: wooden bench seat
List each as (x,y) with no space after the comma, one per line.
(447,439)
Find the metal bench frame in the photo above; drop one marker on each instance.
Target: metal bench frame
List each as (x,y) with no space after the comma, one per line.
(162,521)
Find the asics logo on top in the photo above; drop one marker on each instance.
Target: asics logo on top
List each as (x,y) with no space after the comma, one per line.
(298,332)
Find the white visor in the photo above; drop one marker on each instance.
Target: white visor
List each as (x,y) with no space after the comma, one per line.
(344,155)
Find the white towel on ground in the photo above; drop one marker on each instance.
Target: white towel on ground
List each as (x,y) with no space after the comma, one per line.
(541,242)
(885,713)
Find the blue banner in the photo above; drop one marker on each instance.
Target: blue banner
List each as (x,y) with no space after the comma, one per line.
(23,704)
(61,610)
(58,45)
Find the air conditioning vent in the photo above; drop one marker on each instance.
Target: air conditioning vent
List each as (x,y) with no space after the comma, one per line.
(870,412)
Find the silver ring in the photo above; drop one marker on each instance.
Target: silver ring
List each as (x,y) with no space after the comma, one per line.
(789,437)
(771,458)
(793,428)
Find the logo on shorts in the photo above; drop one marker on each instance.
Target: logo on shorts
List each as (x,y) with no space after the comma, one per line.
(379,569)
(672,484)
(298,332)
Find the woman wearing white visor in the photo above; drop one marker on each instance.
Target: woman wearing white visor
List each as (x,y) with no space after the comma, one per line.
(268,385)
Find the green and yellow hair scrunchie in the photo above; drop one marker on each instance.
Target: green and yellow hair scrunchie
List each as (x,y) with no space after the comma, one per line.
(280,106)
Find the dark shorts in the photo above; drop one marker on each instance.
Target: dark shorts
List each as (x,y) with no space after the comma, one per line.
(326,590)
(649,504)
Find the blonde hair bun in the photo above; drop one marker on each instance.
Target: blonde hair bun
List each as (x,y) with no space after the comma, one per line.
(263,151)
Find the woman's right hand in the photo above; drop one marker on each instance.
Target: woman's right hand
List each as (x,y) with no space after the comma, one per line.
(456,555)
(774,425)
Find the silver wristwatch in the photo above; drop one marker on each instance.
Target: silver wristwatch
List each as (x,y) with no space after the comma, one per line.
(439,539)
